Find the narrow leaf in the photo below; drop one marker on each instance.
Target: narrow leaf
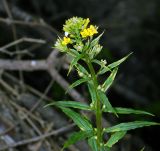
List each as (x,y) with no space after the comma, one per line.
(129,126)
(102,66)
(121,110)
(117,63)
(92,91)
(93,143)
(73,52)
(114,64)
(106,104)
(71,104)
(81,69)
(115,138)
(81,121)
(110,79)
(78,82)
(77,136)
(95,41)
(74,62)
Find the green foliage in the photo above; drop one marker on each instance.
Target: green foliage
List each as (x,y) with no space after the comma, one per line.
(113,65)
(106,104)
(120,110)
(129,126)
(142,149)
(115,138)
(77,136)
(71,104)
(78,82)
(80,120)
(80,43)
(109,80)
(92,92)
(93,143)
(74,62)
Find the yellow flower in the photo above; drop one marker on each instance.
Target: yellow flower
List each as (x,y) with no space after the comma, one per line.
(66,41)
(92,30)
(89,31)
(85,33)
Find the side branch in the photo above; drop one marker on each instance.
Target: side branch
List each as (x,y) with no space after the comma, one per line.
(23,65)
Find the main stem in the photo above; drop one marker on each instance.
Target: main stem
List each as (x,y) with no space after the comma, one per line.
(98,103)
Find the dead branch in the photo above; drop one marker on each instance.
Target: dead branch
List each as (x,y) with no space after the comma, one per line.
(23,65)
(43,24)
(23,39)
(48,65)
(41,137)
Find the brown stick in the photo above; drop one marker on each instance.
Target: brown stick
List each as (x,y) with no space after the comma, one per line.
(23,65)
(41,137)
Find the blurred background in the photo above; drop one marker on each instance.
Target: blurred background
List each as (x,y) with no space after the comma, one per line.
(33,74)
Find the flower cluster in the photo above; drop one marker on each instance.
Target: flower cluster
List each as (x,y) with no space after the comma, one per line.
(66,41)
(89,31)
(78,37)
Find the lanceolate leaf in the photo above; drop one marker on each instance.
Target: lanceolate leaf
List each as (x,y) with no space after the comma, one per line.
(102,66)
(121,110)
(129,126)
(93,143)
(115,138)
(73,52)
(71,104)
(74,62)
(92,91)
(77,136)
(106,104)
(81,69)
(117,63)
(95,41)
(80,121)
(78,82)
(110,80)
(114,64)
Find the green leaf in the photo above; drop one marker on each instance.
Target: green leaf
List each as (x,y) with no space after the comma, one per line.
(78,82)
(92,91)
(96,40)
(81,121)
(142,149)
(114,64)
(115,138)
(117,63)
(71,104)
(102,66)
(77,136)
(121,110)
(73,52)
(81,69)
(74,62)
(93,143)
(106,104)
(104,148)
(110,80)
(129,126)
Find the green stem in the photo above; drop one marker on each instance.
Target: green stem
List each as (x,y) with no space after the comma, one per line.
(98,103)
